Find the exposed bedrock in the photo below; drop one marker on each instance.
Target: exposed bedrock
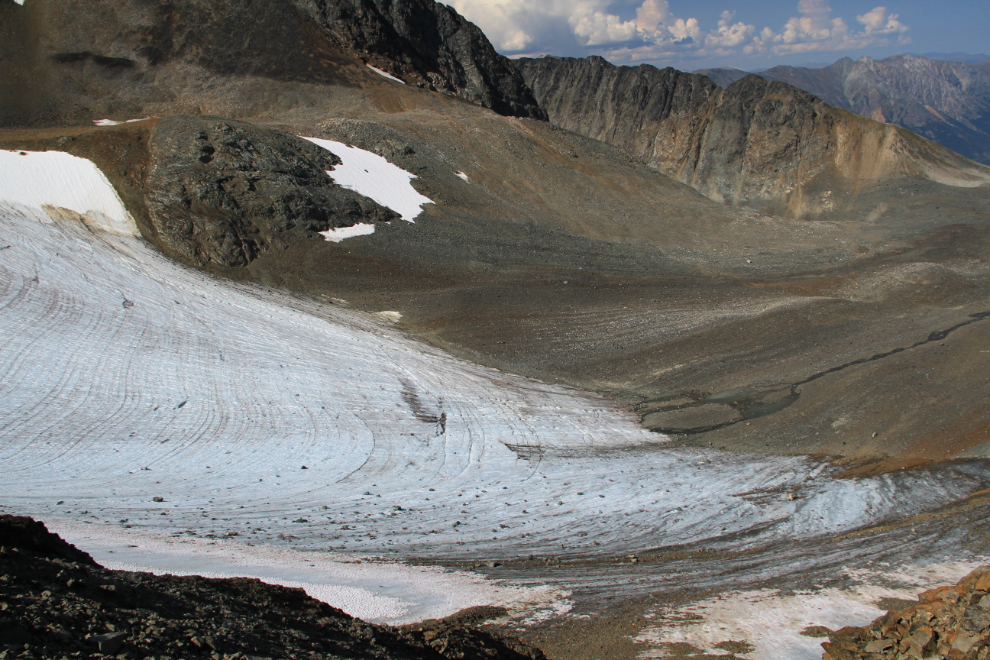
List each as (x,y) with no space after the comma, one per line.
(429,43)
(762,144)
(236,57)
(948,102)
(221,192)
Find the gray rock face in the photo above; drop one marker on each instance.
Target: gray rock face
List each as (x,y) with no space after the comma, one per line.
(946,102)
(222,192)
(762,144)
(429,43)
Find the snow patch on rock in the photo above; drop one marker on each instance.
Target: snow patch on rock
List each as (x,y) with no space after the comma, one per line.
(386,74)
(371,175)
(337,234)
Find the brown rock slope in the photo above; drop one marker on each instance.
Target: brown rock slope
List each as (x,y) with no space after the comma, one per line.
(69,62)
(947,102)
(762,144)
(949,622)
(56,601)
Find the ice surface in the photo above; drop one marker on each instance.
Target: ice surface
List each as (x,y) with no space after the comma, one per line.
(338,234)
(372,176)
(116,360)
(385,73)
(60,180)
(261,418)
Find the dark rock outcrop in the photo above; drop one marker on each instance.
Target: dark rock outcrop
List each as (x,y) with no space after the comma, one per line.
(762,144)
(58,602)
(948,622)
(221,192)
(429,43)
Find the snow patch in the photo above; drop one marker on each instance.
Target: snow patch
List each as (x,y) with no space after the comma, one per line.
(57,180)
(337,234)
(771,622)
(112,122)
(394,317)
(463,176)
(385,74)
(372,590)
(373,176)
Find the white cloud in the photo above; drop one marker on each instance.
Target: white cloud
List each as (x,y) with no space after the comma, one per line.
(656,34)
(878,21)
(599,28)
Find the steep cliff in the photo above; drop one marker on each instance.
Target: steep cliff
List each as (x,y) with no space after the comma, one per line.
(428,43)
(757,143)
(946,102)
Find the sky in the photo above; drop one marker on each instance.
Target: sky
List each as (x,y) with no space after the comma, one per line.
(694,34)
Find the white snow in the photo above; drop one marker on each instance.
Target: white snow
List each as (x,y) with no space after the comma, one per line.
(57,180)
(463,176)
(370,590)
(385,73)
(113,122)
(771,621)
(336,235)
(373,176)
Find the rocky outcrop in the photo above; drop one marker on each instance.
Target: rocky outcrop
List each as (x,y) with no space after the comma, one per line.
(222,192)
(129,57)
(58,602)
(948,622)
(428,43)
(762,144)
(946,102)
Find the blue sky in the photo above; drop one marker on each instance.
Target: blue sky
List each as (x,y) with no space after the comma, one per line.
(747,35)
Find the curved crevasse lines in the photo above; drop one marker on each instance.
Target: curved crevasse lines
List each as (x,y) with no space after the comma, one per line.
(252,413)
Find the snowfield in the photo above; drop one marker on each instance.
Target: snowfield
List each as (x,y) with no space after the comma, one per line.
(58,179)
(232,429)
(373,176)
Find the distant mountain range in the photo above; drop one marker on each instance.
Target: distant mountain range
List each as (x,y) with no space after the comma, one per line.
(945,101)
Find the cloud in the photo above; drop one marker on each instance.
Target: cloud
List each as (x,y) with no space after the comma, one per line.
(879,21)
(650,31)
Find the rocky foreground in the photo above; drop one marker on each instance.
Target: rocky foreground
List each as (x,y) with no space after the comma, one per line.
(56,602)
(948,622)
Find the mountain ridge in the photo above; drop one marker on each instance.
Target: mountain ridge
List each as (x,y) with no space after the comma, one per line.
(946,102)
(758,143)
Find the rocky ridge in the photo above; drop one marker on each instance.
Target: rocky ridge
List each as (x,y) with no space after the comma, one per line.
(946,102)
(70,62)
(762,144)
(55,601)
(429,44)
(949,622)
